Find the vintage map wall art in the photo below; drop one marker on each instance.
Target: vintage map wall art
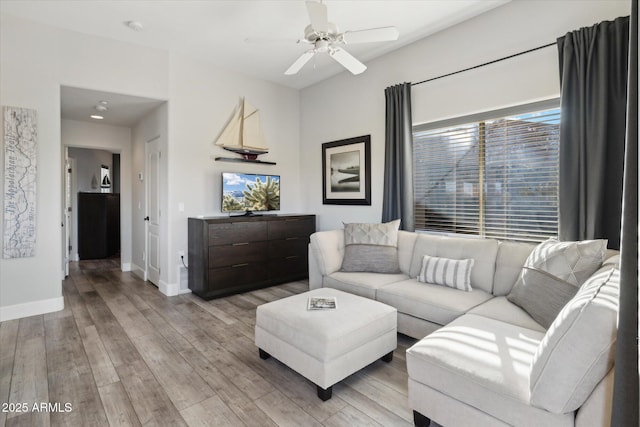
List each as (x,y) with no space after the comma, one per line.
(19,210)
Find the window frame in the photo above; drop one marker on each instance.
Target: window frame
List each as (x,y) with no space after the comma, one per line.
(479,119)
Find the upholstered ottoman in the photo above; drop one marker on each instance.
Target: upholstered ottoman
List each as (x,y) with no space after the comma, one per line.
(326,346)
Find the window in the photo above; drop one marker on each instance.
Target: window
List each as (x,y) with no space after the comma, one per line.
(492,175)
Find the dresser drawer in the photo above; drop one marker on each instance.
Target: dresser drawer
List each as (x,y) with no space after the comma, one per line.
(237,232)
(237,253)
(237,275)
(291,227)
(293,267)
(288,247)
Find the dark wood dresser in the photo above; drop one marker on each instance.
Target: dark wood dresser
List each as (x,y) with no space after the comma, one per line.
(228,255)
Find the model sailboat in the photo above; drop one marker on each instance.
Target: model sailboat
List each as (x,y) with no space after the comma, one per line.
(243,134)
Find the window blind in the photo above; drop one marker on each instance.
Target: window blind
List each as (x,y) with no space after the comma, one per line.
(495,176)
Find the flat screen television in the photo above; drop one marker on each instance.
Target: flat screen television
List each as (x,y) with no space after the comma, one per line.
(246,192)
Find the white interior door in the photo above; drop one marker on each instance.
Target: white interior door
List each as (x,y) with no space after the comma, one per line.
(153,213)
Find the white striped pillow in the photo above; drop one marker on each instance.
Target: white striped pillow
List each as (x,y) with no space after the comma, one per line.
(455,273)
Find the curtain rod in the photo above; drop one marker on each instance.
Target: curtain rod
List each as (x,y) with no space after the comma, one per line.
(482,65)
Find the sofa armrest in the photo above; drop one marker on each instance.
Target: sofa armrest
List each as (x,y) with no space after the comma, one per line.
(596,410)
(315,277)
(326,251)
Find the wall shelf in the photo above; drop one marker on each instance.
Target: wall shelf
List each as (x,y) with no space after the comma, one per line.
(232,159)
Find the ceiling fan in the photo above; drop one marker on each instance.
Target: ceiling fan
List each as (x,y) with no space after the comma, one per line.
(325,38)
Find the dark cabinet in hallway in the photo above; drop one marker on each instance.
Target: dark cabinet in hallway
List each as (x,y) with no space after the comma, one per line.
(98,225)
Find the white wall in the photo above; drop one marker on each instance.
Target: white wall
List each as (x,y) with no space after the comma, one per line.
(88,165)
(202,100)
(114,139)
(36,61)
(347,106)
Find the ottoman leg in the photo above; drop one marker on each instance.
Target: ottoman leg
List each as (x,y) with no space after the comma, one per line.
(324,394)
(263,354)
(420,420)
(387,357)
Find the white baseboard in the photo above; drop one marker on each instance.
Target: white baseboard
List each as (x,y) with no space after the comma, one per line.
(126,266)
(33,308)
(169,289)
(172,289)
(139,271)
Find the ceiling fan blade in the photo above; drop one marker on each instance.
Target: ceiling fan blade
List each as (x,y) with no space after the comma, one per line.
(347,61)
(318,16)
(383,34)
(296,66)
(265,40)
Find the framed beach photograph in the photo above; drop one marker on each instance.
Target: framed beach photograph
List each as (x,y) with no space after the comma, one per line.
(346,171)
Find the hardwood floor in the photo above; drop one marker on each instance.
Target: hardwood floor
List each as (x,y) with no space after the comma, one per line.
(121,353)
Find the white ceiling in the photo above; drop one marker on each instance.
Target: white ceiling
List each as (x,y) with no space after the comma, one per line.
(122,110)
(216,31)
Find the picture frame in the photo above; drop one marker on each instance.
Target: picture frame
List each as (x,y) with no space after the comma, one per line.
(346,171)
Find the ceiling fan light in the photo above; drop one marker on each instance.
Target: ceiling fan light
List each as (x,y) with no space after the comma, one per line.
(134,25)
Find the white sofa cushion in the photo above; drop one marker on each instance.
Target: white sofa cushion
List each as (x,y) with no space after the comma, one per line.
(435,303)
(499,308)
(578,349)
(363,284)
(573,262)
(484,363)
(329,249)
(406,243)
(509,261)
(482,251)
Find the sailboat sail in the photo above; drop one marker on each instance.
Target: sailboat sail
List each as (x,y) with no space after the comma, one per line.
(243,134)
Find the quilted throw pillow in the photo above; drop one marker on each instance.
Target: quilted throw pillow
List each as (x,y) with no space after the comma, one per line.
(371,248)
(552,274)
(454,273)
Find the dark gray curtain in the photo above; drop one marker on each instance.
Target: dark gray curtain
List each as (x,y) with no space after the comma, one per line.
(397,200)
(593,80)
(625,398)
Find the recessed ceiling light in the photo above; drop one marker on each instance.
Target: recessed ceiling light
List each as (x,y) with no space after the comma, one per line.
(97,117)
(134,25)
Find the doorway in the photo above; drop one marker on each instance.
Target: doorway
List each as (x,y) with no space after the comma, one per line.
(121,130)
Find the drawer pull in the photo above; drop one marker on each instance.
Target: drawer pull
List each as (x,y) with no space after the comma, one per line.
(240,265)
(292,238)
(292,257)
(240,244)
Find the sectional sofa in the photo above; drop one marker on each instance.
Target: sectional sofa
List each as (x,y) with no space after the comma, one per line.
(481,359)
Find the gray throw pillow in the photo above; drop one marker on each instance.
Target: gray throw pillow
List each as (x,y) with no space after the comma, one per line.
(542,295)
(552,274)
(371,248)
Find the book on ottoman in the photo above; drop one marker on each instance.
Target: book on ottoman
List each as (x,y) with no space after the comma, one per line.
(321,303)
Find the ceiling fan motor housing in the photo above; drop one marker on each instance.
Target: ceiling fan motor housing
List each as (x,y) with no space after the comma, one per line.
(312,35)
